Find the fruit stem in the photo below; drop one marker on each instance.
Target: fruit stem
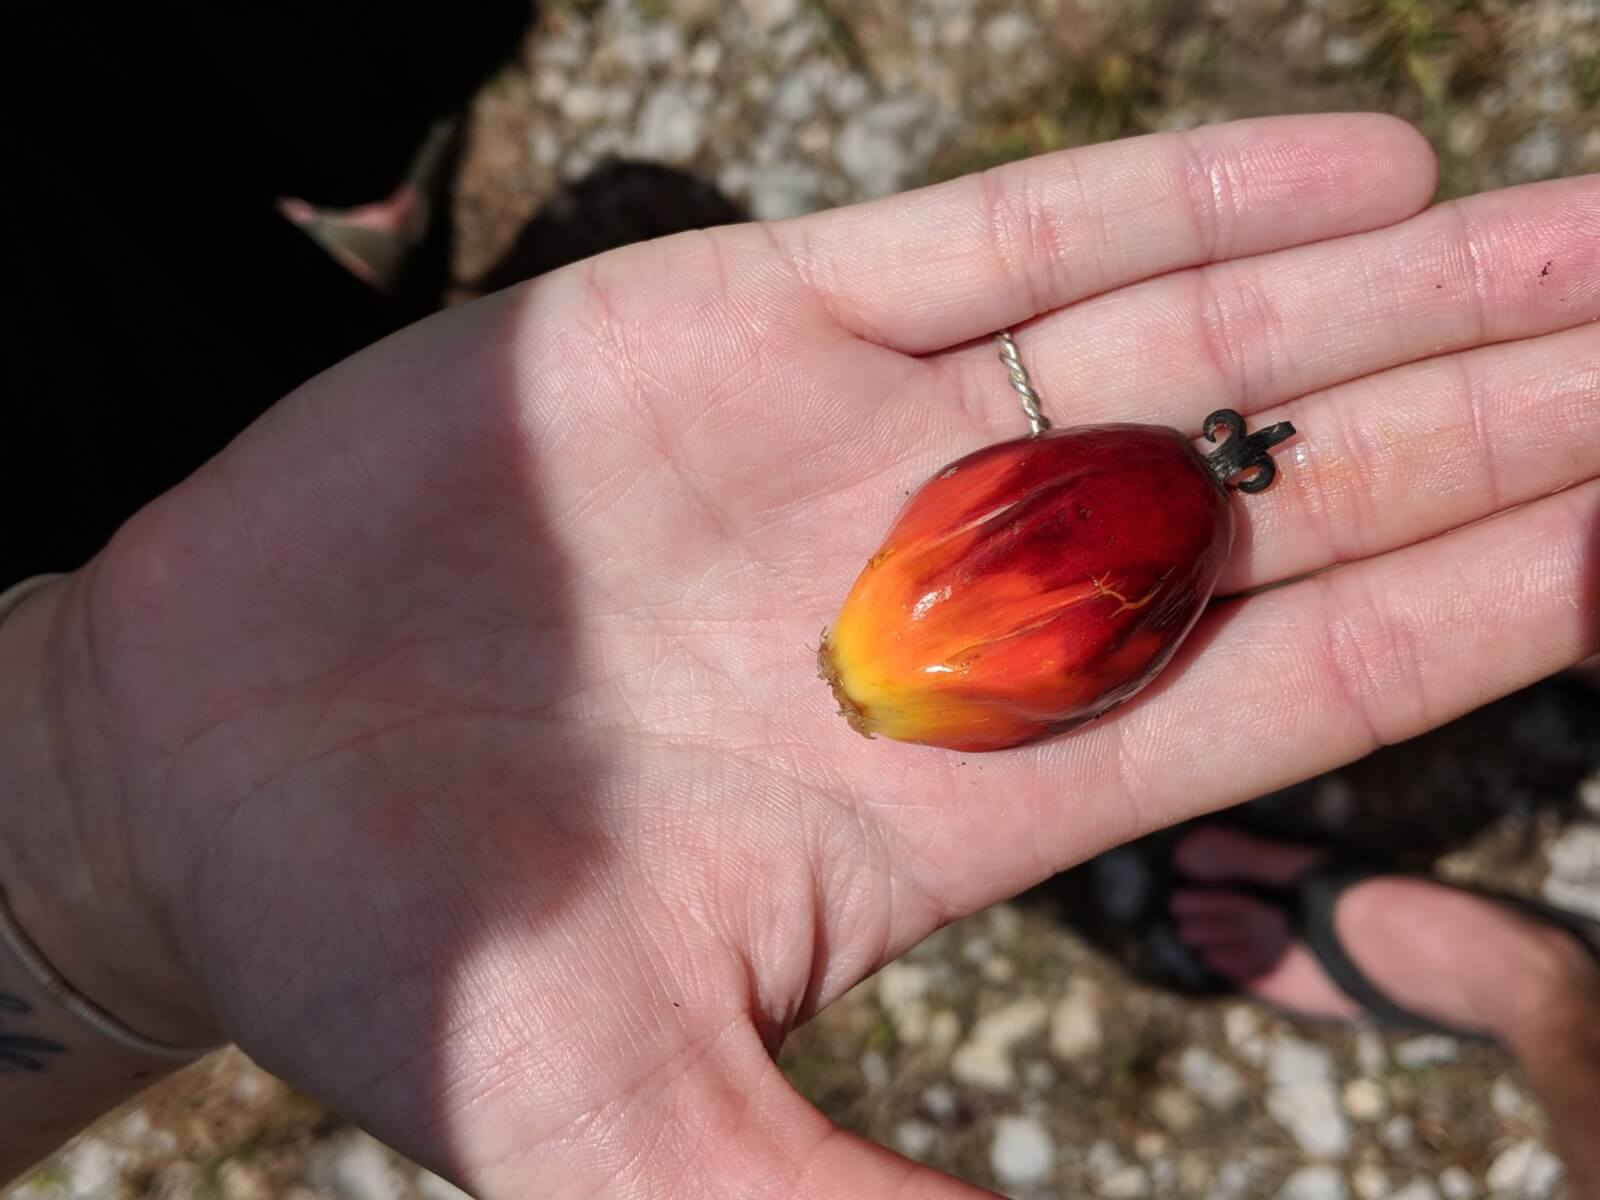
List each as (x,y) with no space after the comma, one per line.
(1243,455)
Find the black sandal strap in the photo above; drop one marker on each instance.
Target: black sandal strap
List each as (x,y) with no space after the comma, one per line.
(1319,891)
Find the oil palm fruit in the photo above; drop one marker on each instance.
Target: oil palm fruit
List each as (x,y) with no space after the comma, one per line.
(1035,584)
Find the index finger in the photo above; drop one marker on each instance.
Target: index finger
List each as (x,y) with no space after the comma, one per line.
(949,263)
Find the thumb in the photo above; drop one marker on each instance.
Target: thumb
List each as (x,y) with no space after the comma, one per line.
(782,1148)
(722,1124)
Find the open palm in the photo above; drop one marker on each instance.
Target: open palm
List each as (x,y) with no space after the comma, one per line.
(469,741)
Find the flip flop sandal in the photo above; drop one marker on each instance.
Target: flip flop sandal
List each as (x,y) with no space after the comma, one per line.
(381,252)
(1309,903)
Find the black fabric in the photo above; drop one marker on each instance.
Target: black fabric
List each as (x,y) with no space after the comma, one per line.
(154,301)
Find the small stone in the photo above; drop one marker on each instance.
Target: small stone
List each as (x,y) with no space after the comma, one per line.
(1508,1102)
(977,950)
(999,969)
(671,125)
(1579,896)
(1467,133)
(136,1130)
(984,1059)
(1175,1109)
(660,44)
(1038,1076)
(1575,854)
(242,1181)
(769,14)
(956,30)
(1075,1030)
(1365,1100)
(1235,1180)
(550,86)
(914,1139)
(900,982)
(795,99)
(875,1070)
(1417,1189)
(813,138)
(1022,1151)
(794,40)
(876,147)
(705,58)
(941,1103)
(253,1086)
(1371,1053)
(848,93)
(1131,1182)
(1457,1183)
(1344,51)
(1302,38)
(1589,789)
(584,105)
(1149,1145)
(431,1187)
(545,147)
(1163,1177)
(1103,1158)
(944,1031)
(1370,1182)
(1310,1113)
(1525,1169)
(619,107)
(1537,155)
(1009,33)
(913,1020)
(93,1170)
(561,51)
(1193,1173)
(1292,1060)
(1210,1078)
(182,1180)
(1399,1132)
(1314,1183)
(1556,97)
(1241,1025)
(1303,1099)
(355,1166)
(1430,1050)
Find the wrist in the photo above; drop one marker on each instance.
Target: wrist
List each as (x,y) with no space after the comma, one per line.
(67,864)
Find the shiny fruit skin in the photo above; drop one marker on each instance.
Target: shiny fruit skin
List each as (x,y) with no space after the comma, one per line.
(1029,587)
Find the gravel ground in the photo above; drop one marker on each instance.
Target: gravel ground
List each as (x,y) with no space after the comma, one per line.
(1032,1048)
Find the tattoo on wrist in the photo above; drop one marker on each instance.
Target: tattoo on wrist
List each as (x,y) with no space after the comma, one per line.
(22,1051)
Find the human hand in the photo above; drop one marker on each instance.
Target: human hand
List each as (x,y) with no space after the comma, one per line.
(458,727)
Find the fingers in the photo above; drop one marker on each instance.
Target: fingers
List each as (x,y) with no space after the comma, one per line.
(1401,456)
(938,267)
(1273,689)
(1253,333)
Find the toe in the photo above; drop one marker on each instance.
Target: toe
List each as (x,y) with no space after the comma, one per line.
(1214,854)
(1235,935)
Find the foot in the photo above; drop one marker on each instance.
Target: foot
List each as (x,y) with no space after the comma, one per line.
(1459,959)
(370,241)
